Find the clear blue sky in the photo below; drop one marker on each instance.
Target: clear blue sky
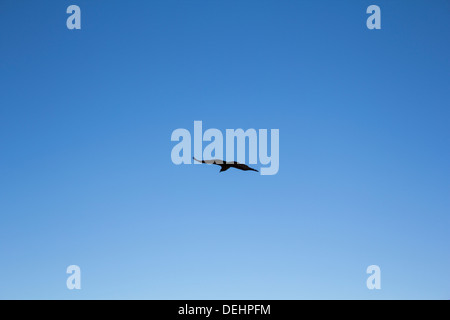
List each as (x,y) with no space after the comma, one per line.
(86,175)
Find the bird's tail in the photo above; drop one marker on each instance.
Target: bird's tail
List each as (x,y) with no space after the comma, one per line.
(197,160)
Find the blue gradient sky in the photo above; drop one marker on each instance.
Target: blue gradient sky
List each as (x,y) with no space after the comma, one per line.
(86,175)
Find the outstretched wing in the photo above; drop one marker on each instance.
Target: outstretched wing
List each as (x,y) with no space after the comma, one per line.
(212,161)
(241,166)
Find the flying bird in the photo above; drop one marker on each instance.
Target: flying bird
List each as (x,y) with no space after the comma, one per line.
(224,166)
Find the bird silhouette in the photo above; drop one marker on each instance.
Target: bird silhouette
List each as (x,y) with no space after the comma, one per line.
(224,166)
